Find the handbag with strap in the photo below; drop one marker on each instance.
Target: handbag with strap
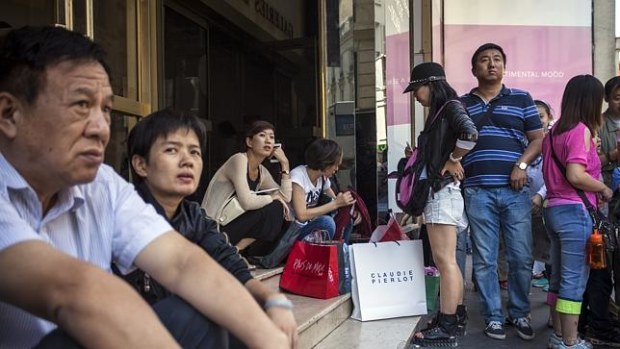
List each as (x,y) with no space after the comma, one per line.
(230,210)
(608,229)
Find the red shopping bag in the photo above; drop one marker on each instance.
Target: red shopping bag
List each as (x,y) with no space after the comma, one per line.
(389,232)
(312,270)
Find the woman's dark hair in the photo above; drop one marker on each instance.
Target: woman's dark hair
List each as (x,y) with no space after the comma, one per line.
(160,124)
(440,93)
(258,127)
(322,153)
(544,105)
(611,85)
(582,102)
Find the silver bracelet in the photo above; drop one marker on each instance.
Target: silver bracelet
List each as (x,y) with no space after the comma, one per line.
(453,159)
(278,302)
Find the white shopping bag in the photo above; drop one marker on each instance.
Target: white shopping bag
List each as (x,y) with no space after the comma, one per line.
(387,280)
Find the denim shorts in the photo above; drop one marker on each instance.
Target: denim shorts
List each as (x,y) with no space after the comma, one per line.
(444,207)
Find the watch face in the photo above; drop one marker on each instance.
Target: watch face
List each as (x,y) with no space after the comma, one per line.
(522,165)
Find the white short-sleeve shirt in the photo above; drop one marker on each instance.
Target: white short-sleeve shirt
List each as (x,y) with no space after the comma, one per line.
(299,176)
(99,222)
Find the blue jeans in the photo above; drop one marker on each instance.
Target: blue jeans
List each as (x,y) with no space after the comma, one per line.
(324,222)
(461,250)
(491,210)
(568,227)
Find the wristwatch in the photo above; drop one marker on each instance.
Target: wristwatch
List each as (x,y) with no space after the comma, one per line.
(521,165)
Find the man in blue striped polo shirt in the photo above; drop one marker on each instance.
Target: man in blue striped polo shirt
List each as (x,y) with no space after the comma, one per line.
(496,200)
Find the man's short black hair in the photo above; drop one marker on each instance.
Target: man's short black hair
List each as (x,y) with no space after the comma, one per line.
(160,124)
(322,153)
(26,52)
(611,85)
(487,46)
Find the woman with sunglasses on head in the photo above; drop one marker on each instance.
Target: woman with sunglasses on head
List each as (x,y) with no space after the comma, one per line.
(447,136)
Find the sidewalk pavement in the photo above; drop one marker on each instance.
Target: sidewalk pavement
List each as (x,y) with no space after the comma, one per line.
(476,338)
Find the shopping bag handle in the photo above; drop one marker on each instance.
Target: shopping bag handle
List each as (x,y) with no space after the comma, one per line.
(375,243)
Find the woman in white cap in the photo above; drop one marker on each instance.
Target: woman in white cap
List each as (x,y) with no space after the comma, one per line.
(448,135)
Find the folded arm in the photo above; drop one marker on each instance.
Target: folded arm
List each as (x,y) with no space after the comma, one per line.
(96,308)
(186,270)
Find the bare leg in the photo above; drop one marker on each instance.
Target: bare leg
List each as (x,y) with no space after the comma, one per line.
(569,328)
(555,320)
(443,244)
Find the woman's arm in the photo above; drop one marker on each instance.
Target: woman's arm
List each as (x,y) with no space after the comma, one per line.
(577,176)
(286,188)
(303,213)
(237,172)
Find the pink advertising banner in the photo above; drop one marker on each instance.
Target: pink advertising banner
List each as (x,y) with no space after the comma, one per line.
(540,59)
(397,79)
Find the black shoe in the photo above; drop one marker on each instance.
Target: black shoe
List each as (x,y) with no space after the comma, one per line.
(495,330)
(524,328)
(440,333)
(461,320)
(610,337)
(434,337)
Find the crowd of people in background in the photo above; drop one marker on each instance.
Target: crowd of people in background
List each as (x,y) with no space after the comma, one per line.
(69,222)
(516,194)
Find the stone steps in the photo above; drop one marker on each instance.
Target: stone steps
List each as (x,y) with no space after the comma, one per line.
(316,318)
(326,323)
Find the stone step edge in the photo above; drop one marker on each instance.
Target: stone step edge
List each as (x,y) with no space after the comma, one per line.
(323,312)
(264,274)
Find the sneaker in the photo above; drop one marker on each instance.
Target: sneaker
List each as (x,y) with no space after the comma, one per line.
(540,283)
(523,327)
(554,341)
(495,330)
(610,338)
(581,344)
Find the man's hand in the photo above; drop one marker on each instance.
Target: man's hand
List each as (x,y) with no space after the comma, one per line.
(284,320)
(518,178)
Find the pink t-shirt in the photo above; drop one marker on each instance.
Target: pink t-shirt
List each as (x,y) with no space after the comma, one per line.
(569,148)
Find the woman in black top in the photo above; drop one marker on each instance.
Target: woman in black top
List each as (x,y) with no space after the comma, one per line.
(448,135)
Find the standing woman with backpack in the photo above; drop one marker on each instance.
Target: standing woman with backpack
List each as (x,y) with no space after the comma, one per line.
(448,135)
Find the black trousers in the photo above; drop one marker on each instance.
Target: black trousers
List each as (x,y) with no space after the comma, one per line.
(189,327)
(595,305)
(264,225)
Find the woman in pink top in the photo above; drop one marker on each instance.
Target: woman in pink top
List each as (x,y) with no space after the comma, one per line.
(567,220)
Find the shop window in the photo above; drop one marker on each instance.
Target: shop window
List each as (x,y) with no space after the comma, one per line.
(17,13)
(185,59)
